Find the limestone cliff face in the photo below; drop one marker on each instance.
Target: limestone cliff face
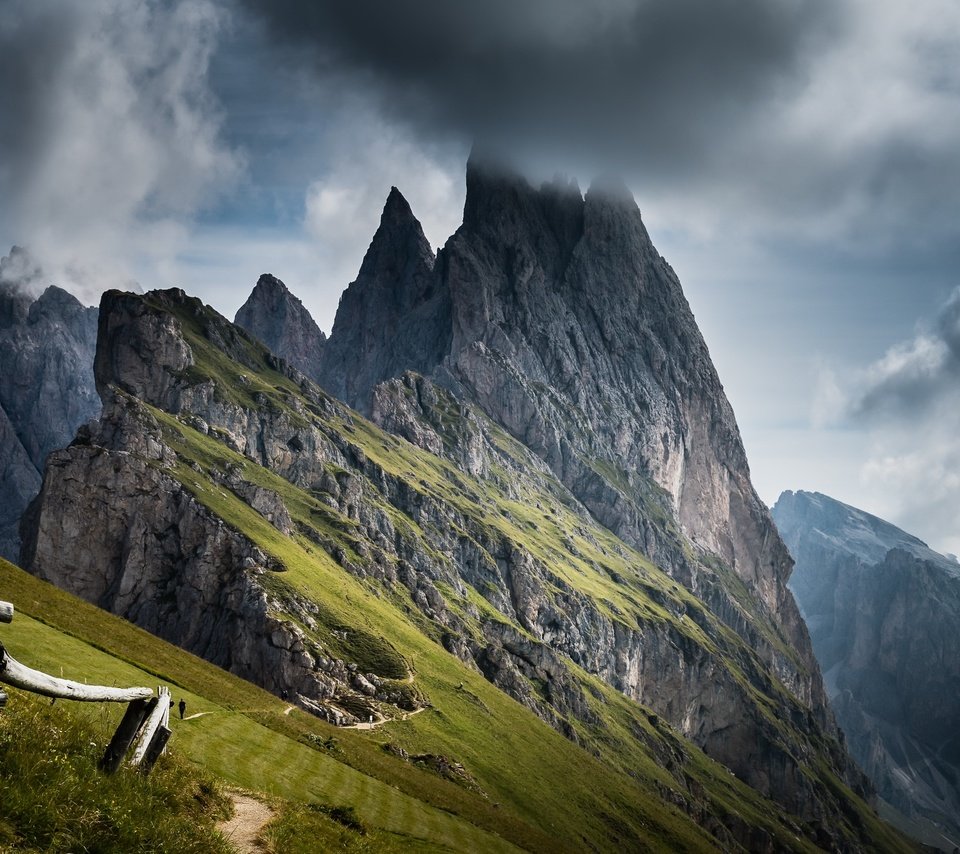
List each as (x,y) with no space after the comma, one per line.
(554,313)
(275,316)
(114,525)
(46,391)
(884,613)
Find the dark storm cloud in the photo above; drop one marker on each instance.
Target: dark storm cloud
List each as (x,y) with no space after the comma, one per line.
(656,81)
(29,42)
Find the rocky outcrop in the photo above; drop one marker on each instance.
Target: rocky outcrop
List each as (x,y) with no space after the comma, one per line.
(884,614)
(112,524)
(46,385)
(278,319)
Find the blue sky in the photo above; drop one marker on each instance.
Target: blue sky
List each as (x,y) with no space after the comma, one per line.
(797,161)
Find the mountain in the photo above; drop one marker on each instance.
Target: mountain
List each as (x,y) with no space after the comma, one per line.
(275,316)
(542,559)
(393,317)
(233,731)
(47,389)
(475,610)
(553,313)
(884,614)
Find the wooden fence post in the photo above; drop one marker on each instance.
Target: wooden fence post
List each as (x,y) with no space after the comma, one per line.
(130,725)
(158,717)
(12,672)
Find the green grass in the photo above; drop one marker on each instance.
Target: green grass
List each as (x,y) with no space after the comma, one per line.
(308,828)
(243,735)
(534,514)
(53,797)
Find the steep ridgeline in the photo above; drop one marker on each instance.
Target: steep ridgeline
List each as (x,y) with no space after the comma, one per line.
(275,316)
(884,615)
(225,502)
(46,387)
(555,315)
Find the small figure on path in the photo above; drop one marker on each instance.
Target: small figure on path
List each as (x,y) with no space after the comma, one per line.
(182,705)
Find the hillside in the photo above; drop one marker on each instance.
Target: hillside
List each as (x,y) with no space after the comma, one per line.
(225,502)
(250,739)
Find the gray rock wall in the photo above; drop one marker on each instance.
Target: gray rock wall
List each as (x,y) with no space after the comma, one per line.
(46,391)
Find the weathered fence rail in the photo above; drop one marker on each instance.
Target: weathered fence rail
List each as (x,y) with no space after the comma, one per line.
(145,724)
(13,673)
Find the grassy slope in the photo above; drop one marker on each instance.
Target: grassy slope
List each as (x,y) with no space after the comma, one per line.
(249,741)
(46,748)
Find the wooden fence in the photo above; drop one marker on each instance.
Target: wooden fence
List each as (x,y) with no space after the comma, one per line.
(144,729)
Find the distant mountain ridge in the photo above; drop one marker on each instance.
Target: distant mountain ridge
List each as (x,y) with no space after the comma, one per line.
(47,390)
(884,615)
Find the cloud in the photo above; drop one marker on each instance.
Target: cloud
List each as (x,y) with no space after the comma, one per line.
(914,378)
(803,118)
(110,139)
(343,206)
(648,78)
(903,411)
(916,479)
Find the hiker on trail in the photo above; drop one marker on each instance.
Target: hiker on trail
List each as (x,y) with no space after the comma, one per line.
(182,706)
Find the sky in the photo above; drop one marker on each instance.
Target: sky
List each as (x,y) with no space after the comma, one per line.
(796,161)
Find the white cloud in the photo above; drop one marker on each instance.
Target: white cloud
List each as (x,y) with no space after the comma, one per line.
(903,411)
(116,140)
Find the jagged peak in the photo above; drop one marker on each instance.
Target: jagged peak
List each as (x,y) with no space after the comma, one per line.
(56,303)
(269,295)
(491,185)
(270,283)
(397,210)
(398,239)
(563,186)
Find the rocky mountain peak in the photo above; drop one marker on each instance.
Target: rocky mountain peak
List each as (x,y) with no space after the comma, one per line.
(393,313)
(280,320)
(56,304)
(884,612)
(46,382)
(399,256)
(505,209)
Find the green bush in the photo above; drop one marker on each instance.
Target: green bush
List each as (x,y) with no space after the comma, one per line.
(53,798)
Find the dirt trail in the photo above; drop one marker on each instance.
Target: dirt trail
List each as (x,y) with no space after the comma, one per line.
(243,827)
(381,721)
